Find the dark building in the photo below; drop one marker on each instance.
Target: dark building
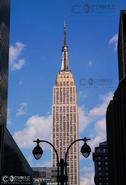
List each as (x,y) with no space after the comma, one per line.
(116,115)
(116,135)
(14,161)
(44,176)
(100,158)
(122,45)
(15,165)
(4,55)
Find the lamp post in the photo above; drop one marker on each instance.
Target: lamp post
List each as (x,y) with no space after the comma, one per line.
(62,176)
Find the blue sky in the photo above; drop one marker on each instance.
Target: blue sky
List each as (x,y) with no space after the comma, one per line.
(36,39)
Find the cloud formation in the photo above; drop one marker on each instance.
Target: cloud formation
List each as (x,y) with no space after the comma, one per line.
(41,126)
(36,127)
(95,115)
(114,41)
(22,110)
(16,63)
(90,63)
(88,178)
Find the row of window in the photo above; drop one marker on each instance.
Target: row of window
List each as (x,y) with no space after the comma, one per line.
(65,83)
(57,109)
(64,96)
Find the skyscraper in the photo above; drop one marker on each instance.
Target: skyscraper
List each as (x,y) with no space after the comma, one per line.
(65,117)
(100,158)
(122,45)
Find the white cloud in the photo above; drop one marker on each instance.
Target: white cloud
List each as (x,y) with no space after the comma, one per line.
(100,110)
(84,119)
(22,110)
(18,65)
(114,41)
(88,178)
(90,63)
(14,53)
(100,129)
(36,127)
(96,114)
(82,95)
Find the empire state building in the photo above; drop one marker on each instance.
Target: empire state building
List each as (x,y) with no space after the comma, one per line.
(65,118)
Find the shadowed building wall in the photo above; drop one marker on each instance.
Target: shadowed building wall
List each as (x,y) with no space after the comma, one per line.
(14,161)
(4,55)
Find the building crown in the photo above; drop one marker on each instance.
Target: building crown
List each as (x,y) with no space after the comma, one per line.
(64,65)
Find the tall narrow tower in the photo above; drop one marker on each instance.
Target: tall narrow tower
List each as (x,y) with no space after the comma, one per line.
(65,117)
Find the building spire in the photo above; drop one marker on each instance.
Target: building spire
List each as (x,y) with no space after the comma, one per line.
(64,65)
(65,29)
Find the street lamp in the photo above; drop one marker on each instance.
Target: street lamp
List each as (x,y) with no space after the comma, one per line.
(37,151)
(85,149)
(62,173)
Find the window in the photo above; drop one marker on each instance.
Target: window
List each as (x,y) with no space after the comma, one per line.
(104,150)
(99,163)
(106,163)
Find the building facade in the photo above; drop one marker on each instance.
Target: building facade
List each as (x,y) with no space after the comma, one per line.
(100,158)
(4,60)
(44,176)
(122,45)
(65,117)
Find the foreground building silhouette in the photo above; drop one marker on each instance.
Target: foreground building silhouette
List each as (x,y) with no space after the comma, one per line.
(4,55)
(65,117)
(116,115)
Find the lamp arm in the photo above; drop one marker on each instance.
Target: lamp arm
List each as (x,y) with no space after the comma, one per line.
(70,147)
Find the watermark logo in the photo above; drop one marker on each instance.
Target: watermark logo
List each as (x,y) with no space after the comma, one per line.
(95,82)
(15,179)
(94,6)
